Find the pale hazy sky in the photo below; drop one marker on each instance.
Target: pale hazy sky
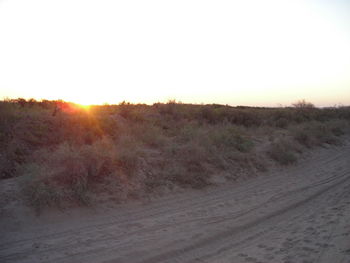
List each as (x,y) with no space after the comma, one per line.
(229,52)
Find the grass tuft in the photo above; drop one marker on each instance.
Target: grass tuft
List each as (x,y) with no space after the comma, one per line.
(282,152)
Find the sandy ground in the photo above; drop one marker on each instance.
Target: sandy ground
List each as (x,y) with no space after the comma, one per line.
(295,214)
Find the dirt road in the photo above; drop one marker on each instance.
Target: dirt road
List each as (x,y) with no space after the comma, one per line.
(297,214)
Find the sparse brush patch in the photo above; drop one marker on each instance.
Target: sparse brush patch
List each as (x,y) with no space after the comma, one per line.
(282,123)
(192,174)
(69,172)
(317,133)
(282,152)
(258,163)
(338,127)
(247,118)
(128,154)
(38,189)
(230,137)
(187,165)
(149,134)
(66,153)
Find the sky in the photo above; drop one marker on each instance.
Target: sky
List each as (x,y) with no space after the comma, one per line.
(252,52)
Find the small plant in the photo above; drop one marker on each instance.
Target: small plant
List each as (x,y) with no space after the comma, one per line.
(127,154)
(229,137)
(317,133)
(338,127)
(281,123)
(37,188)
(192,174)
(69,172)
(282,153)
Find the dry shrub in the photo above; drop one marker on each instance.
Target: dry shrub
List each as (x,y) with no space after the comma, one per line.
(171,108)
(215,114)
(147,133)
(282,123)
(225,137)
(316,133)
(282,152)
(228,137)
(128,154)
(302,104)
(192,176)
(38,189)
(187,165)
(68,172)
(258,163)
(338,126)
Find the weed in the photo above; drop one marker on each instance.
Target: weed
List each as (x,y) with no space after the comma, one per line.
(281,151)
(68,172)
(37,188)
(317,133)
(229,137)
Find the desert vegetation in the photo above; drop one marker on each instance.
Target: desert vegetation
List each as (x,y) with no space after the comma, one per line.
(68,154)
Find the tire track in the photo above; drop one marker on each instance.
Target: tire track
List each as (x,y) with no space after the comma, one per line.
(233,231)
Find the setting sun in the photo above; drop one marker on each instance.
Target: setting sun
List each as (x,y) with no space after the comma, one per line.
(84,106)
(85,102)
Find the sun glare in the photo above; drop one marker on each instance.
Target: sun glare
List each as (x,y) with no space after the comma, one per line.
(84,106)
(83,102)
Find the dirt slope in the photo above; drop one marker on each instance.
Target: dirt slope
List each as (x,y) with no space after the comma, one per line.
(298,214)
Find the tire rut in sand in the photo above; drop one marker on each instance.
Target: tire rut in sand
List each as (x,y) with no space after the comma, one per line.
(234,231)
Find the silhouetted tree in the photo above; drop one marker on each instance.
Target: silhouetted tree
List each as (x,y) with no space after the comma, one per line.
(302,104)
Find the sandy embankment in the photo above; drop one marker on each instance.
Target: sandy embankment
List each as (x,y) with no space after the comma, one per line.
(298,214)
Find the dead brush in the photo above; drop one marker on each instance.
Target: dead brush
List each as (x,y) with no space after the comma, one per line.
(316,133)
(229,137)
(69,173)
(282,152)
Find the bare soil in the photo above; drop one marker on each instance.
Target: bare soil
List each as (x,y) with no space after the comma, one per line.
(295,214)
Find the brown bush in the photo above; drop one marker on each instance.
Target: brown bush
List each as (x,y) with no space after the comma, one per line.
(282,152)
